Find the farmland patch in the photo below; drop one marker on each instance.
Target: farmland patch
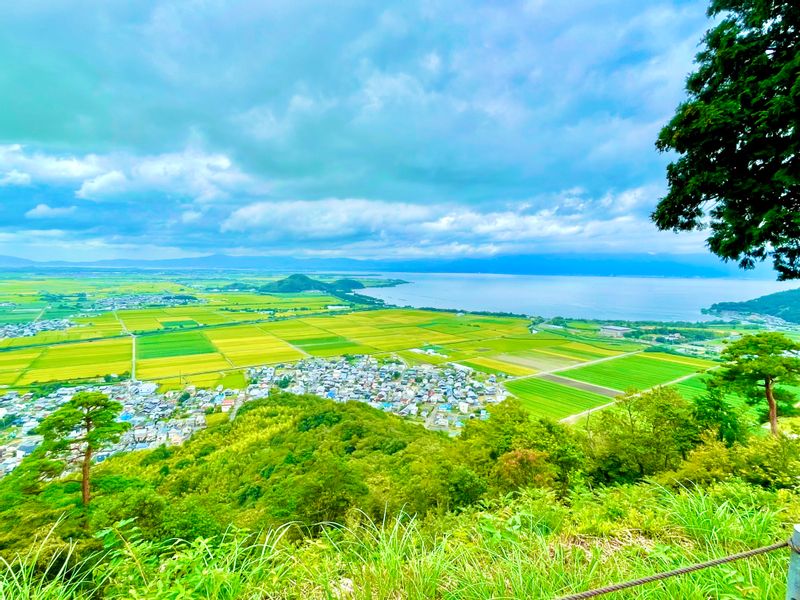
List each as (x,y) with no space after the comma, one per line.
(552,400)
(173,344)
(631,372)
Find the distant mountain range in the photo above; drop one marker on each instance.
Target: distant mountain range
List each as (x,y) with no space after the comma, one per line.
(642,265)
(14,262)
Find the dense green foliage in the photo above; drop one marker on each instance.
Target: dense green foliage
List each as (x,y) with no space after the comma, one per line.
(289,458)
(296,283)
(756,364)
(784,305)
(82,426)
(737,137)
(352,501)
(533,546)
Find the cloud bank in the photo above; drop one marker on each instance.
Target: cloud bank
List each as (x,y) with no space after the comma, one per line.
(395,129)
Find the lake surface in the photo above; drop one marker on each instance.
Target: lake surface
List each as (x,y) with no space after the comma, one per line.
(634,298)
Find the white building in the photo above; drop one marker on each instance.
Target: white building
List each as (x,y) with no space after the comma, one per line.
(614,330)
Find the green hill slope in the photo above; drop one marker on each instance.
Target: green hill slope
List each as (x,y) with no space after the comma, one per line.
(301,497)
(297,283)
(784,305)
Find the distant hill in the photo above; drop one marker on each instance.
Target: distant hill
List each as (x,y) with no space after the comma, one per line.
(347,285)
(297,283)
(14,262)
(783,305)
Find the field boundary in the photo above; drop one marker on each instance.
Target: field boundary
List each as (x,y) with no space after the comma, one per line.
(579,365)
(581,385)
(575,417)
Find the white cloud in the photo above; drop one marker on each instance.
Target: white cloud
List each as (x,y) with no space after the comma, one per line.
(39,244)
(632,200)
(263,122)
(14,177)
(44,211)
(191,172)
(382,89)
(110,183)
(570,221)
(506,226)
(440,106)
(191,216)
(323,219)
(432,62)
(43,167)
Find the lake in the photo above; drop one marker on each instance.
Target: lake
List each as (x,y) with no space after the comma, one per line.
(634,298)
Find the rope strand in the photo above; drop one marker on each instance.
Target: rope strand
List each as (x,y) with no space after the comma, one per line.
(711,563)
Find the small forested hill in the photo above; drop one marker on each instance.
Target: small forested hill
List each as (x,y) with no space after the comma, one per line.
(784,305)
(303,283)
(294,284)
(346,285)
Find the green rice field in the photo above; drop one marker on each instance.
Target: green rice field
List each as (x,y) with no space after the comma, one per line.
(552,400)
(692,388)
(173,344)
(638,372)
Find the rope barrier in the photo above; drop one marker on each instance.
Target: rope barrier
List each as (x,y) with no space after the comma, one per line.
(682,571)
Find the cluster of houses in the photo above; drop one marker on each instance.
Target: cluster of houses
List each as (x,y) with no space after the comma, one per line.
(440,397)
(15,330)
(155,418)
(134,301)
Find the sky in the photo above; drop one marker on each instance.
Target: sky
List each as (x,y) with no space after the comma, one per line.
(362,129)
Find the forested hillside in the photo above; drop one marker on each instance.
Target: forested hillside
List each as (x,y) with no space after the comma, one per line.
(784,305)
(504,506)
(303,283)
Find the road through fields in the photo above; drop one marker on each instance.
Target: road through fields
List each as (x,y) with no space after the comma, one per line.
(581,385)
(577,366)
(576,416)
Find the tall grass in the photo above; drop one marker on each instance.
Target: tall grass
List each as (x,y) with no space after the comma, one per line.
(42,574)
(531,547)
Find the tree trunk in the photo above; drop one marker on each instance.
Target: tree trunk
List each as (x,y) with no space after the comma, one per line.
(87,461)
(773,408)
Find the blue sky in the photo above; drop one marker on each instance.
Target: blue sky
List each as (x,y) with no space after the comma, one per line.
(413,129)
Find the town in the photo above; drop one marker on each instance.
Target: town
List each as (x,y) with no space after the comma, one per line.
(31,328)
(440,398)
(135,301)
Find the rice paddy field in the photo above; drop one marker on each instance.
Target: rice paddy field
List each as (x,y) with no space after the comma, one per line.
(73,361)
(692,388)
(638,372)
(626,372)
(212,341)
(546,399)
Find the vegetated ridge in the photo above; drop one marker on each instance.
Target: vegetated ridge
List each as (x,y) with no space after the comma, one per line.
(783,305)
(303,283)
(304,498)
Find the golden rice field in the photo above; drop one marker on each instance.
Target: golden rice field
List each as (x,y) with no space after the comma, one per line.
(74,361)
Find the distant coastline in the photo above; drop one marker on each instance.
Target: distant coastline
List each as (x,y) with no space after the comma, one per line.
(602,298)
